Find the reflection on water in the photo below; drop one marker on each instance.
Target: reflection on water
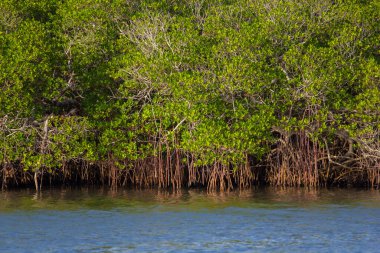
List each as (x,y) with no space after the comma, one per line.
(268,219)
(103,198)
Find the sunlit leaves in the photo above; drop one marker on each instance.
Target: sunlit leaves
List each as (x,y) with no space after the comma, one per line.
(118,79)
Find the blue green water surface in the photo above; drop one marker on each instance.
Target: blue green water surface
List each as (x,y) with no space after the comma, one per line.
(257,220)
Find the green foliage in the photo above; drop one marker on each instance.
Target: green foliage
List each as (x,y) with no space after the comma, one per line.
(117,80)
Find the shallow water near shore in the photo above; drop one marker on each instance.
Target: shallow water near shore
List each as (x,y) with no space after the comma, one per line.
(257,220)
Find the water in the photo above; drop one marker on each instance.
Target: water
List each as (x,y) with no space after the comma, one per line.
(261,220)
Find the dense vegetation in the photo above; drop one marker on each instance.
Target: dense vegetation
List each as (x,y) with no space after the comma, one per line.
(214,93)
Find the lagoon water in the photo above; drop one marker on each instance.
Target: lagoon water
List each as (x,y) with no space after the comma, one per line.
(257,220)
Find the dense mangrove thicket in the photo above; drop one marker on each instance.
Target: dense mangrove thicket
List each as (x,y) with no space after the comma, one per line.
(212,93)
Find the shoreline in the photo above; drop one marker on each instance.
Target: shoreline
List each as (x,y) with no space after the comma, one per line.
(209,179)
